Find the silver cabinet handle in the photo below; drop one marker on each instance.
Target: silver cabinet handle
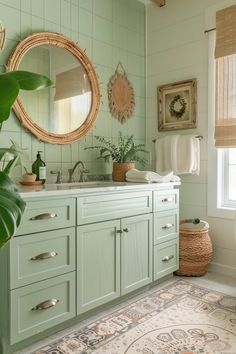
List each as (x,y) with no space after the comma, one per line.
(167,226)
(44,216)
(126,230)
(167,258)
(45,304)
(45,255)
(167,200)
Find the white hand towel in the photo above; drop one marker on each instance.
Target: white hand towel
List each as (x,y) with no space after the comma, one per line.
(179,153)
(165,153)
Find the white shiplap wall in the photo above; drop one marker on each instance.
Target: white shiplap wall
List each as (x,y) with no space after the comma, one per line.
(177,49)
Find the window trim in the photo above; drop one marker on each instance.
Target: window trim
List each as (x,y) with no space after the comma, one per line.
(215,160)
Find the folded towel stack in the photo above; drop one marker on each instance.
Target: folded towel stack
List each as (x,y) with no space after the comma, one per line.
(135,175)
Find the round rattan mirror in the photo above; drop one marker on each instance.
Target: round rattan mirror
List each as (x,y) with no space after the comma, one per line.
(67,111)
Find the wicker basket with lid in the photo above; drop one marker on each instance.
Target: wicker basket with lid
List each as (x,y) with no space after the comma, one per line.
(195,251)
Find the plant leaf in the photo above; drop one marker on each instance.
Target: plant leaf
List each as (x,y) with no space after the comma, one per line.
(124,151)
(28,80)
(10,85)
(9,90)
(11,208)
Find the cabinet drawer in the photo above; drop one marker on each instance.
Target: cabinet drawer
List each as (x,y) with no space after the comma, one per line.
(47,215)
(166,225)
(112,206)
(55,299)
(166,258)
(165,200)
(40,256)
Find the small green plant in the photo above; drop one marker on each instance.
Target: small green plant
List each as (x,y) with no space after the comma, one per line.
(13,156)
(124,151)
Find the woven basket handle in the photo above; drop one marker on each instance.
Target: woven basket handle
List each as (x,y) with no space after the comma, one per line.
(194,221)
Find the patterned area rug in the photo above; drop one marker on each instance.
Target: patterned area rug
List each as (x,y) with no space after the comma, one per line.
(181,318)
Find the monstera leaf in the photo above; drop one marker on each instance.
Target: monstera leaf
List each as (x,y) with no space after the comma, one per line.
(11,204)
(10,85)
(12,207)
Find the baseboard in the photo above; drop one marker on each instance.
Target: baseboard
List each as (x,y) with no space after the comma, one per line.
(222,269)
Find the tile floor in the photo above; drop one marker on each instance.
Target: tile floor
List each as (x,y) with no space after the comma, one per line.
(214,281)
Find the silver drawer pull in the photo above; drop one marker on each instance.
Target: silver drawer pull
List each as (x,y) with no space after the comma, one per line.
(167,258)
(44,216)
(167,226)
(45,304)
(165,200)
(126,230)
(45,255)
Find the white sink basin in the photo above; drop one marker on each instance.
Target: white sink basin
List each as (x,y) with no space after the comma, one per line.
(89,184)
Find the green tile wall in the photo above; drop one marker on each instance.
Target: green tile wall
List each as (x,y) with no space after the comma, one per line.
(110,31)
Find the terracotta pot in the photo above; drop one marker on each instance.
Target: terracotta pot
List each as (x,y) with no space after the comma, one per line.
(120,169)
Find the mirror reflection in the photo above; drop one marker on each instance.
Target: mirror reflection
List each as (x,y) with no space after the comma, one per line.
(67,111)
(64,107)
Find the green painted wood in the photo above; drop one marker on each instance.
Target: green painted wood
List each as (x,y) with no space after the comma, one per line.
(98,264)
(136,252)
(25,322)
(63,208)
(109,264)
(108,206)
(166,225)
(24,270)
(163,267)
(165,200)
(4,299)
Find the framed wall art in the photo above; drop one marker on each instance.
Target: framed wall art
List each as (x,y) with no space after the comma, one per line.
(177,105)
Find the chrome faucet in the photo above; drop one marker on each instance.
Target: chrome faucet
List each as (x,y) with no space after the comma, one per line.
(82,172)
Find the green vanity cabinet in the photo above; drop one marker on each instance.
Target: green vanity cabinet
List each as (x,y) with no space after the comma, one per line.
(76,250)
(114,258)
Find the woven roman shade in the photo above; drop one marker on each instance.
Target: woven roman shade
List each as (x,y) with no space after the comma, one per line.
(225,89)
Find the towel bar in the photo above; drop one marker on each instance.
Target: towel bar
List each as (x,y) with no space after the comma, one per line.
(200,137)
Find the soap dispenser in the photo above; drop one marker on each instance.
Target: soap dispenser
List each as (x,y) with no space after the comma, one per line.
(39,168)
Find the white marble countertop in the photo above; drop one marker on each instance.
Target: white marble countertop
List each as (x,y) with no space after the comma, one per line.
(75,189)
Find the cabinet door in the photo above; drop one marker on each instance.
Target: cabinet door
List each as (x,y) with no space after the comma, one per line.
(136,252)
(165,200)
(98,264)
(166,258)
(166,225)
(37,307)
(47,214)
(40,256)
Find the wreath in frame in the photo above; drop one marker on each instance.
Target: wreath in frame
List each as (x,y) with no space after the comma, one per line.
(177,106)
(120,95)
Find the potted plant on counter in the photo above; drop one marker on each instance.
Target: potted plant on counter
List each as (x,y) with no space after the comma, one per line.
(124,154)
(11,204)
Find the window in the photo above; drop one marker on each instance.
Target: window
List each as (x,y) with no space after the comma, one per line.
(222,162)
(228,178)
